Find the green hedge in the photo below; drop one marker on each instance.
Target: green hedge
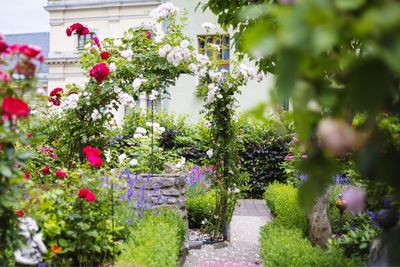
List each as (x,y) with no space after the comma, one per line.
(284,242)
(282,200)
(200,207)
(155,241)
(282,246)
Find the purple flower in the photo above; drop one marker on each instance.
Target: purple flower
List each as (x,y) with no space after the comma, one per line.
(355,199)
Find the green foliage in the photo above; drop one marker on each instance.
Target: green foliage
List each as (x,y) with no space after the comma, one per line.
(282,246)
(155,241)
(86,232)
(264,147)
(357,238)
(200,206)
(282,199)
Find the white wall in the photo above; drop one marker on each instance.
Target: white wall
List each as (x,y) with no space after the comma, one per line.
(183,99)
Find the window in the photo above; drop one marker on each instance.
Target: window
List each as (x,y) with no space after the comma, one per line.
(83,39)
(221,57)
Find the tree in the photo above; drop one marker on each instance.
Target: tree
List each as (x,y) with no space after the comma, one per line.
(334,59)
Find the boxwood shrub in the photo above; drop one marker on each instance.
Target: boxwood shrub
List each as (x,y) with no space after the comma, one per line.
(200,207)
(155,241)
(282,200)
(282,246)
(284,242)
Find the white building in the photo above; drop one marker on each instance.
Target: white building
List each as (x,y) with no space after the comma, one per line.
(110,18)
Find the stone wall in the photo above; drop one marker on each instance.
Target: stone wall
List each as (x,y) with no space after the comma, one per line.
(163,190)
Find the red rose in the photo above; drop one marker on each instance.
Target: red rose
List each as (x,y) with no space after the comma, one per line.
(30,51)
(20,213)
(100,72)
(45,171)
(57,92)
(78,28)
(55,101)
(41,58)
(3,46)
(148,35)
(60,174)
(96,41)
(29,135)
(27,175)
(90,196)
(95,161)
(15,107)
(82,192)
(91,151)
(104,55)
(68,31)
(25,68)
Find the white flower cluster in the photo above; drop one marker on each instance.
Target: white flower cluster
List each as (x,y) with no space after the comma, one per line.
(112,67)
(139,132)
(201,66)
(124,98)
(127,54)
(159,36)
(153,95)
(157,127)
(163,11)
(208,26)
(71,101)
(176,55)
(137,83)
(248,73)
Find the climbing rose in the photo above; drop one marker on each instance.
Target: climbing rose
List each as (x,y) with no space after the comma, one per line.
(68,31)
(78,28)
(27,175)
(60,174)
(95,161)
(20,213)
(104,55)
(100,72)
(3,46)
(25,68)
(82,192)
(56,92)
(148,35)
(15,107)
(45,171)
(91,151)
(96,41)
(90,197)
(30,51)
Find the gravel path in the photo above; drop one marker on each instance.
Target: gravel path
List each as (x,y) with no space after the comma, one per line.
(243,250)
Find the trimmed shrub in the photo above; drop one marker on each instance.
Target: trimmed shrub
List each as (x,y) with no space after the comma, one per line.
(200,207)
(282,200)
(264,147)
(155,241)
(282,246)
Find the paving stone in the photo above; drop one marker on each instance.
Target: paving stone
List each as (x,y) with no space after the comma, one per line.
(243,250)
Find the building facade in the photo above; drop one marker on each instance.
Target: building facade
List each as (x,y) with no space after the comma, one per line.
(110,18)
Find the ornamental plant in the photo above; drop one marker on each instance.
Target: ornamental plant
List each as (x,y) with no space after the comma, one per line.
(17,68)
(219,110)
(143,63)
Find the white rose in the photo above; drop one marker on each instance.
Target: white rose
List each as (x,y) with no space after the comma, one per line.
(133,162)
(210,153)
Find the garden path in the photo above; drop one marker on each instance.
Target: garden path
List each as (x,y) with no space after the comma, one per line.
(243,250)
